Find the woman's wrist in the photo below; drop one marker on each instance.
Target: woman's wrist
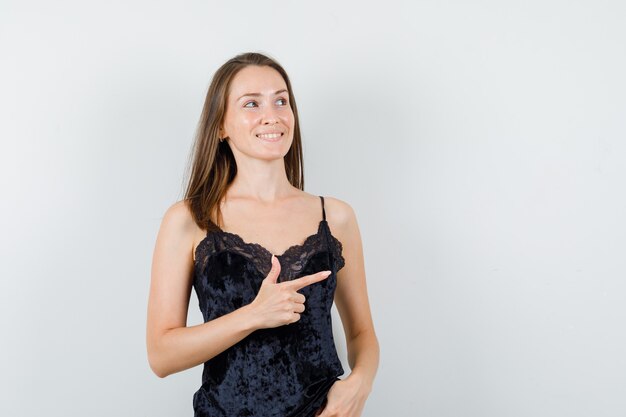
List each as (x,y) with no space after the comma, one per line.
(248,316)
(364,380)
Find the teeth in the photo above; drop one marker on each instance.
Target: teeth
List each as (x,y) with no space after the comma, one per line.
(269,135)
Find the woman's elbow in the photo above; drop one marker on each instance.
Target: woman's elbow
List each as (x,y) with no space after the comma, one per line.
(156,363)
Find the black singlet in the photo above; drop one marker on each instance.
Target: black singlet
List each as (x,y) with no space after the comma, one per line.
(284,371)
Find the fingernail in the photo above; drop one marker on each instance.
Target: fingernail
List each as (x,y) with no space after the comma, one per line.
(326,272)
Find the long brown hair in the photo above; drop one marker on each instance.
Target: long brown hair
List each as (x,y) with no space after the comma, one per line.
(213,165)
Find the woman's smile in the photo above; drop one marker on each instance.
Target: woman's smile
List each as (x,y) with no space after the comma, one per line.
(270,137)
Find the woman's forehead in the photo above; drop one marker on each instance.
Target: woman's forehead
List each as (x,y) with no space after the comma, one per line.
(256,80)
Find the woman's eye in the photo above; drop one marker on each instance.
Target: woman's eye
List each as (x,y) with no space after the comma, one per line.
(254,102)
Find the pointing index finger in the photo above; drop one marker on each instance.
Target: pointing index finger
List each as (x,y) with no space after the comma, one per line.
(298,283)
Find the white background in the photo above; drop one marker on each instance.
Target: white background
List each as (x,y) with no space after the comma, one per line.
(481,144)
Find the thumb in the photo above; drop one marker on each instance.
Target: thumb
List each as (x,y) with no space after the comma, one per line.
(272,276)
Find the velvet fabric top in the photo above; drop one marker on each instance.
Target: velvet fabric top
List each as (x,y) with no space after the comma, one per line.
(284,371)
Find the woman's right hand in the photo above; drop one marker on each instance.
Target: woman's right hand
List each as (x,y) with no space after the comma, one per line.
(278,304)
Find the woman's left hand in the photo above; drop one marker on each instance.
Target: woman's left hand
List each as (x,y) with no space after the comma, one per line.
(346,397)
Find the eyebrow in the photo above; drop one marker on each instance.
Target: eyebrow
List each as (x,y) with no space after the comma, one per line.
(258,94)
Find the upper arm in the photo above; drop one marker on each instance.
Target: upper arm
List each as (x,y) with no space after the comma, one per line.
(171,275)
(351,296)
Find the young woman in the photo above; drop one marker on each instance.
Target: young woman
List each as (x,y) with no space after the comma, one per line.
(266,260)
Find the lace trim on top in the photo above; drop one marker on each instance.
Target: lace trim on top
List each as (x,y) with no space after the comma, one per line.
(292,261)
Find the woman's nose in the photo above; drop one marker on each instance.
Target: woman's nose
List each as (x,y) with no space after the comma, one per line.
(270,116)
(270,120)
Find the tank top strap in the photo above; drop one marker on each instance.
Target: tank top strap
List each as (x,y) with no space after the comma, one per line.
(327,239)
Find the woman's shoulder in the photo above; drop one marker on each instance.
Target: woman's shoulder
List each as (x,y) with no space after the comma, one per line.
(178,213)
(178,216)
(339,208)
(179,220)
(339,213)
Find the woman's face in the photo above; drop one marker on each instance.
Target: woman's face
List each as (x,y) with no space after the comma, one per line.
(258,103)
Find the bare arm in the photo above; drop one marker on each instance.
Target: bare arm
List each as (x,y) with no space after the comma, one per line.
(351,298)
(172,346)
